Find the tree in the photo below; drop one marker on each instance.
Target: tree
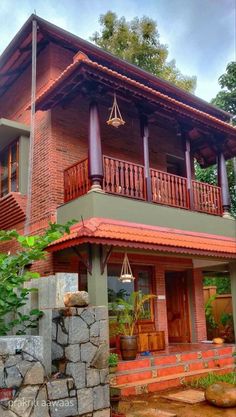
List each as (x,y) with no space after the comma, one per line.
(226,100)
(15,273)
(138,42)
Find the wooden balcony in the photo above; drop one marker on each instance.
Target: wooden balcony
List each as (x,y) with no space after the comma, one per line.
(127,179)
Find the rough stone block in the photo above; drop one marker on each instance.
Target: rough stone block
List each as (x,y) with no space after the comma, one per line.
(57,351)
(94,330)
(41,408)
(78,330)
(100,360)
(72,353)
(88,315)
(62,336)
(12,360)
(76,299)
(34,375)
(104,376)
(101,313)
(2,376)
(93,377)
(6,413)
(101,397)
(104,330)
(32,346)
(13,377)
(85,400)
(54,331)
(23,403)
(57,389)
(88,351)
(77,371)
(65,407)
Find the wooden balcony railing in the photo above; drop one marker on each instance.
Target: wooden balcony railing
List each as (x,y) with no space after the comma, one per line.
(206,198)
(76,181)
(169,189)
(124,178)
(127,179)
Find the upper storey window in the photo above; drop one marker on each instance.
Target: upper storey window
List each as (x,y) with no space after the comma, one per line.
(9,162)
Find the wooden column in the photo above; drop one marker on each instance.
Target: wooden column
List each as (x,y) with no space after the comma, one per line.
(189,170)
(145,137)
(95,148)
(223,183)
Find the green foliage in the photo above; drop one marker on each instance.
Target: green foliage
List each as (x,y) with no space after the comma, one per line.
(113,359)
(226,319)
(226,98)
(210,320)
(14,275)
(138,42)
(210,379)
(222,283)
(131,310)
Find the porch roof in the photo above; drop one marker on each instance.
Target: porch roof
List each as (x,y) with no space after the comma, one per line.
(205,149)
(127,234)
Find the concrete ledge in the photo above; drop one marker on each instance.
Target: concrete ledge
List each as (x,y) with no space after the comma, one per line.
(31,346)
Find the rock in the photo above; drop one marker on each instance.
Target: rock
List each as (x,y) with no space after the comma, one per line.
(101,397)
(65,407)
(77,371)
(57,389)
(88,352)
(221,394)
(76,299)
(6,413)
(218,341)
(24,366)
(13,377)
(62,337)
(35,375)
(41,407)
(102,413)
(78,331)
(57,351)
(93,377)
(94,330)
(101,313)
(72,353)
(100,360)
(23,403)
(88,316)
(2,376)
(85,400)
(104,330)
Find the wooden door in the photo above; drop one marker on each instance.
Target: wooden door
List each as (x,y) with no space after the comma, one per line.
(177,307)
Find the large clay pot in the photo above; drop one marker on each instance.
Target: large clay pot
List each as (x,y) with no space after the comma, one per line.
(128,347)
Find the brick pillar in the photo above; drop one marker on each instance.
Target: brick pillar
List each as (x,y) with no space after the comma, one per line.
(198,317)
(160,304)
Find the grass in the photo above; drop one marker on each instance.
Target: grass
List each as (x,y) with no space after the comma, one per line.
(210,379)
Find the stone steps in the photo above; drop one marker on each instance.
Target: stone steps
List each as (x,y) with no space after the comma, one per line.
(155,373)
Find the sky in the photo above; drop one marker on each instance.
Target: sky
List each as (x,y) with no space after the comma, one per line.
(200,34)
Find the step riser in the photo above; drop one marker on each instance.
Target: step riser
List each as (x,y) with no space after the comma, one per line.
(174,359)
(165,370)
(163,385)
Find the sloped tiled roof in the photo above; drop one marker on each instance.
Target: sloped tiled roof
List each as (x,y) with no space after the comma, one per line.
(127,234)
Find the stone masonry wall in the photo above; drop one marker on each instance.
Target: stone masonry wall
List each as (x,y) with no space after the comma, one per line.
(80,350)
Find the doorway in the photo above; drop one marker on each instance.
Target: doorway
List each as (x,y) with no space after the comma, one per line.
(177,307)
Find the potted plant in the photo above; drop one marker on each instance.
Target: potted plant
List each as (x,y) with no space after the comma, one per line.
(130,312)
(113,362)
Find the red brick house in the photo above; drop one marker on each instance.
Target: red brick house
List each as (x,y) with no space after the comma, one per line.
(131,189)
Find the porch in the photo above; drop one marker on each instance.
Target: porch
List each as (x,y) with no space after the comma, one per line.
(126,179)
(171,367)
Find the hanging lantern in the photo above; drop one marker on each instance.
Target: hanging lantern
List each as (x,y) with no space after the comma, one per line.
(115,118)
(126,271)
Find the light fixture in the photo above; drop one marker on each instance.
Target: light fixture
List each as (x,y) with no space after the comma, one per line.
(126,275)
(115,118)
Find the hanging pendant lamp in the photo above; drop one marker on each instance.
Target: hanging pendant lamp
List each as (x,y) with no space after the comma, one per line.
(115,118)
(126,271)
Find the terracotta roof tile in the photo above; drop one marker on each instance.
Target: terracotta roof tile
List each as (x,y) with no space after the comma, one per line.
(81,58)
(120,233)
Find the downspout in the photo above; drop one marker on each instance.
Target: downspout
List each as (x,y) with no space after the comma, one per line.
(32,127)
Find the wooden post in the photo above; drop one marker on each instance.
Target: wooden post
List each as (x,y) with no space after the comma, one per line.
(189,171)
(95,148)
(145,137)
(223,183)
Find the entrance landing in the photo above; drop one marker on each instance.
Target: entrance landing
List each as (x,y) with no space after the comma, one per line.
(171,367)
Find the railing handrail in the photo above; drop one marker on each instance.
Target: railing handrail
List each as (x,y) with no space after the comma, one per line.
(206,183)
(75,164)
(124,161)
(168,173)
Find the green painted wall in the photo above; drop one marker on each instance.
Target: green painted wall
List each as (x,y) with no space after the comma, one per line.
(23,164)
(96,204)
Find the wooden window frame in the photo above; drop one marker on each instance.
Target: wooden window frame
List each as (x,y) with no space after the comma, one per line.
(8,150)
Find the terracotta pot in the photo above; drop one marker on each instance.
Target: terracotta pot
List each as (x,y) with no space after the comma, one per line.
(128,347)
